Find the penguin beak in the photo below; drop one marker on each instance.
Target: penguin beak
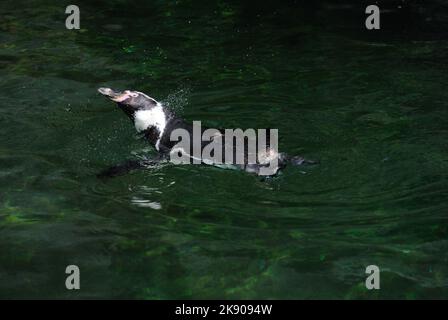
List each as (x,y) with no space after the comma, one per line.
(114,95)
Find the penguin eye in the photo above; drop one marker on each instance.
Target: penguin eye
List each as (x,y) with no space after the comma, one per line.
(133,94)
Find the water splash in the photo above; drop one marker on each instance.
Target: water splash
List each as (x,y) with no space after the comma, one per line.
(178,100)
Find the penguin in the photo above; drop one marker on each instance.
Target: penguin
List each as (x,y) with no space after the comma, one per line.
(157,123)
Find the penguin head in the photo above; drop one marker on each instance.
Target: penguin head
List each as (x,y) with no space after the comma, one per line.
(145,112)
(129,101)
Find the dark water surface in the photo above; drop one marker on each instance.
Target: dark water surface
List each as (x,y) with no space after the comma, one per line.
(372,108)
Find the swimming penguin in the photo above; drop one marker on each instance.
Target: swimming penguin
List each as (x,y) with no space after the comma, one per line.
(157,123)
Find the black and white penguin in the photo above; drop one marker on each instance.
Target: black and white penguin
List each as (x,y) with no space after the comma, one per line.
(156,123)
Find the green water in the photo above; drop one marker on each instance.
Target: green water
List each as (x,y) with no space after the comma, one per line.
(371,108)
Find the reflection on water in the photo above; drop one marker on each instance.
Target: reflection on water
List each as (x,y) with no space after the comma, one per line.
(370,108)
(145,193)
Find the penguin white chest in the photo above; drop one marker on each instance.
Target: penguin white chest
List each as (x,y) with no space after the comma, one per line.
(154,117)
